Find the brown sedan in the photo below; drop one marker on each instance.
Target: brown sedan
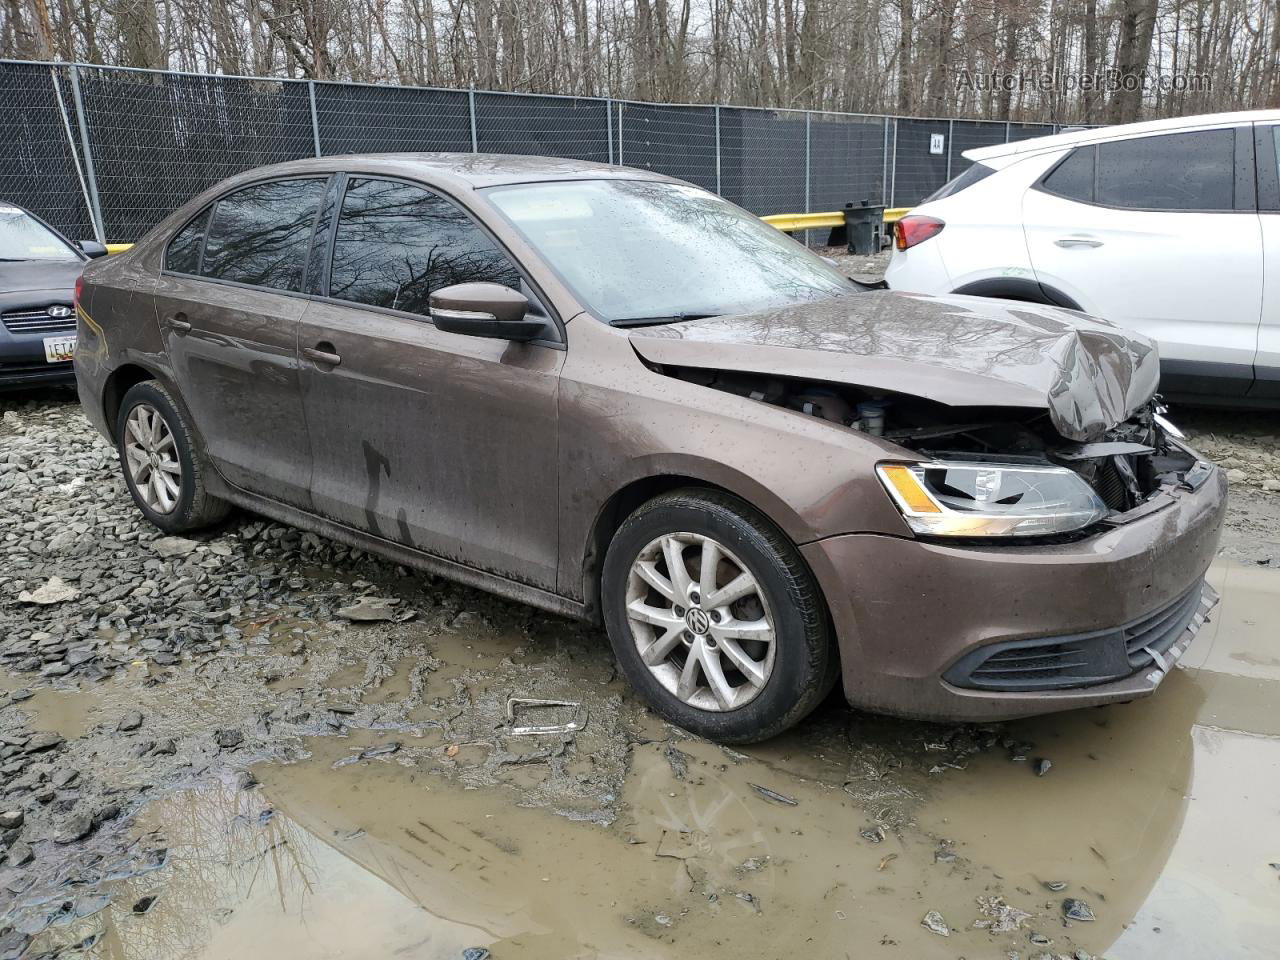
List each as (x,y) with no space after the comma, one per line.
(616,396)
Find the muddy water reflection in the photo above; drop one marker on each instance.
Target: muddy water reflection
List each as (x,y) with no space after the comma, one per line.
(1162,815)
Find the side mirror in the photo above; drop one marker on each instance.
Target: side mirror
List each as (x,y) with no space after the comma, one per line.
(92,249)
(484,310)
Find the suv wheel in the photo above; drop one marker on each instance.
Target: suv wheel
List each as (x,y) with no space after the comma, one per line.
(715,618)
(160,462)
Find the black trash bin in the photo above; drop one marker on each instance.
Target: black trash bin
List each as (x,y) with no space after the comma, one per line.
(864,225)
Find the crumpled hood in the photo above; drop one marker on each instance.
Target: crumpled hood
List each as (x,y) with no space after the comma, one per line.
(957,350)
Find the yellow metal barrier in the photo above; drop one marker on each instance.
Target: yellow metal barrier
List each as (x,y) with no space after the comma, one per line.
(118,247)
(789,222)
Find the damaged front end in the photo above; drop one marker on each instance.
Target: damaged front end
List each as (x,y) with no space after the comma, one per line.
(991,472)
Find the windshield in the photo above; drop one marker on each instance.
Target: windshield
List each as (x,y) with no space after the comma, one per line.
(637,251)
(23,237)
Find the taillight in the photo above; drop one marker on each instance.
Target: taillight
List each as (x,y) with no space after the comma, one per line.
(75,297)
(913,229)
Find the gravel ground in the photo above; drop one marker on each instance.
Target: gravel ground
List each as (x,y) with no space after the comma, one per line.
(220,651)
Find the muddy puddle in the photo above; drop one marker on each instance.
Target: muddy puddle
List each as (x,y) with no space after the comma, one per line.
(415,825)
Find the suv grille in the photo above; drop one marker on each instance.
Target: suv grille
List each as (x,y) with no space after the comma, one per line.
(37,320)
(1048,663)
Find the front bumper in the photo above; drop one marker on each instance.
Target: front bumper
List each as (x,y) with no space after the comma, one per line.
(910,613)
(22,357)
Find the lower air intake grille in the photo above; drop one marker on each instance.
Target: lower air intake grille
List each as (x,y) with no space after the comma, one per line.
(1047,663)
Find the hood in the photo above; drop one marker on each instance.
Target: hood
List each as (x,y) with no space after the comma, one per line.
(53,275)
(957,350)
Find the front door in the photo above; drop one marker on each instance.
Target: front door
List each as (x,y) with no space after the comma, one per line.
(1160,235)
(230,328)
(441,442)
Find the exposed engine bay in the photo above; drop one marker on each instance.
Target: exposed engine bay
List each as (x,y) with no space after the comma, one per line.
(1126,467)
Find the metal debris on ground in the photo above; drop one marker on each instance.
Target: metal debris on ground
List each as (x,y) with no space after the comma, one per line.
(374,610)
(526,705)
(368,753)
(774,795)
(933,922)
(998,916)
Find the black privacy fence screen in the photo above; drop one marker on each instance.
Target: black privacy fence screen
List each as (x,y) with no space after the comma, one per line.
(107,152)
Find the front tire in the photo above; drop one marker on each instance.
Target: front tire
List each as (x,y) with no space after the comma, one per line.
(161,464)
(715,618)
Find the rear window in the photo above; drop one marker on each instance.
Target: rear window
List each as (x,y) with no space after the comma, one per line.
(183,255)
(260,235)
(975,174)
(1073,177)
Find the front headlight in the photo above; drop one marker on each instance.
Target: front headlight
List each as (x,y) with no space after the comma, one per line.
(954,499)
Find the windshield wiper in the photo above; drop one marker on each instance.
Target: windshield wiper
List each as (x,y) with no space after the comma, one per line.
(655,321)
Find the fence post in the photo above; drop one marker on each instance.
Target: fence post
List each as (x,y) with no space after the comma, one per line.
(808,119)
(71,143)
(1006,131)
(471,102)
(608,123)
(95,211)
(619,134)
(951,135)
(893,168)
(315,120)
(718,190)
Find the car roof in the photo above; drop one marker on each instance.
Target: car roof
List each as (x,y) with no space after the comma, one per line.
(1062,141)
(459,170)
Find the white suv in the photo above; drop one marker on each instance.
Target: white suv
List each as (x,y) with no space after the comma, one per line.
(1170,228)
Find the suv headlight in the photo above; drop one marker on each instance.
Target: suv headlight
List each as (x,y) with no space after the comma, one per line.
(955,499)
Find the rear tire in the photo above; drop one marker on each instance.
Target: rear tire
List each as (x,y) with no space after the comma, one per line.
(162,466)
(740,688)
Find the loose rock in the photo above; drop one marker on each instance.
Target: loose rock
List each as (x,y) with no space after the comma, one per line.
(1074,909)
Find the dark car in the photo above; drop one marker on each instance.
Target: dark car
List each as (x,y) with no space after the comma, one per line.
(38,272)
(619,397)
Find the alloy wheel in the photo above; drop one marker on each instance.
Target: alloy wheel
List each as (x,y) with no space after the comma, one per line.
(700,621)
(151,457)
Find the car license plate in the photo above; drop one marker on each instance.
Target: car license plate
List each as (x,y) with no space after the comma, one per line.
(59,349)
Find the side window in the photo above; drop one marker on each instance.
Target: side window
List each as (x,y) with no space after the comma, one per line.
(260,235)
(1073,177)
(1266,145)
(183,255)
(1177,171)
(396,243)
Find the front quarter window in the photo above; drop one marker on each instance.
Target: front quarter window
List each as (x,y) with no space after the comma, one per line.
(637,251)
(23,237)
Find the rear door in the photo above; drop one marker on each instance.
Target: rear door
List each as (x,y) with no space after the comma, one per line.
(228,303)
(1160,234)
(1267,364)
(441,442)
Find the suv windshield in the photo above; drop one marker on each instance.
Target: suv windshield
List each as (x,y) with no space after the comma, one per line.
(23,237)
(640,251)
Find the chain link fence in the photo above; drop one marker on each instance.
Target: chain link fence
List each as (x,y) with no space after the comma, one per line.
(107,152)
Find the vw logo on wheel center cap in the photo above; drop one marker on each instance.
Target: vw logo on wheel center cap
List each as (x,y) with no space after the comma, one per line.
(697,621)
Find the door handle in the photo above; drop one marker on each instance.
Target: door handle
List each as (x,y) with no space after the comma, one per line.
(178,322)
(322,354)
(1077,242)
